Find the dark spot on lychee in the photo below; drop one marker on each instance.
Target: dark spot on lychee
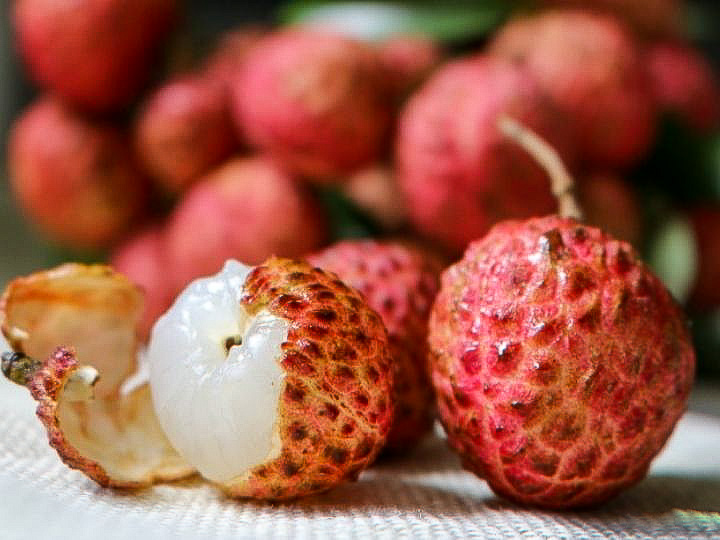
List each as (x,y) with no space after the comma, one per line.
(545,463)
(324,296)
(373,417)
(293,393)
(361,399)
(347,429)
(344,373)
(298,363)
(290,469)
(316,332)
(551,244)
(324,315)
(373,374)
(388,304)
(461,398)
(297,431)
(581,465)
(336,455)
(331,411)
(579,234)
(342,351)
(633,424)
(622,261)
(310,348)
(298,277)
(285,299)
(590,320)
(578,282)
(506,356)
(364,448)
(562,429)
(471,362)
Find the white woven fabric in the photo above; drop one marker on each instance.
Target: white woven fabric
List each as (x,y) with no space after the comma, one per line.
(424,495)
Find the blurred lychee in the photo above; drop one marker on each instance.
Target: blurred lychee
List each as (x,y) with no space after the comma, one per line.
(375,190)
(408,60)
(75,179)
(226,59)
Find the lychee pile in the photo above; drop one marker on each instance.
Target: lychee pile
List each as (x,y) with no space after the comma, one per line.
(557,361)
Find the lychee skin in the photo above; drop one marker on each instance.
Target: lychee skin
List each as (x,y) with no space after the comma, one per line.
(399,283)
(335,409)
(74,178)
(591,66)
(316,101)
(561,363)
(184,130)
(458,172)
(685,85)
(97,54)
(248,209)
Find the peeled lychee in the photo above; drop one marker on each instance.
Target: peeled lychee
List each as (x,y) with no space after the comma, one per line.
(705,222)
(183,130)
(610,204)
(399,283)
(560,361)
(248,208)
(142,258)
(408,60)
(685,85)
(591,66)
(74,178)
(275,381)
(318,102)
(459,175)
(97,54)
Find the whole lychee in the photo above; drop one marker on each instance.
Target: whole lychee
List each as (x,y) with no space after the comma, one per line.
(184,130)
(142,259)
(560,361)
(318,102)
(459,175)
(97,54)
(591,66)
(247,208)
(399,283)
(74,178)
(275,382)
(610,204)
(408,60)
(705,221)
(684,84)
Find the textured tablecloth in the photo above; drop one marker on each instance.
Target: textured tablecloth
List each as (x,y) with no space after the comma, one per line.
(426,494)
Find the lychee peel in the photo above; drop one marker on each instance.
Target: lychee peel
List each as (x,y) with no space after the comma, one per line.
(399,283)
(321,363)
(115,438)
(561,363)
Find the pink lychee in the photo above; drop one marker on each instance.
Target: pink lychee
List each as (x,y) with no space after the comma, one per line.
(74,178)
(249,209)
(98,54)
(183,130)
(318,102)
(399,283)
(458,173)
(591,65)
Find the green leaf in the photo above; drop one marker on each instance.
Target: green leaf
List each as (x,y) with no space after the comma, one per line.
(346,219)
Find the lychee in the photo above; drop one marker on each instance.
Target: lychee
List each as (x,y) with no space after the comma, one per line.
(459,175)
(561,363)
(591,66)
(225,61)
(317,101)
(74,178)
(97,54)
(399,283)
(247,208)
(684,84)
(72,331)
(408,60)
(274,381)
(142,258)
(705,221)
(183,130)
(375,191)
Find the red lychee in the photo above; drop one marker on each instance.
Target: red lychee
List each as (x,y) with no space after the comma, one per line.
(610,204)
(316,101)
(705,293)
(249,209)
(142,258)
(684,84)
(459,175)
(399,283)
(184,130)
(408,60)
(560,361)
(97,54)
(74,178)
(591,66)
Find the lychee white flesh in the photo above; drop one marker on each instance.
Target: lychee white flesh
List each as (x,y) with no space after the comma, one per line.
(218,406)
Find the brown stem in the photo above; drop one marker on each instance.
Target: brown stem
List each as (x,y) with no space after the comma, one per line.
(561,182)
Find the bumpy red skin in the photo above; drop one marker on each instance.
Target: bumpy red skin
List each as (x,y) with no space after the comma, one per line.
(75,179)
(591,66)
(142,259)
(97,54)
(706,289)
(400,283)
(685,85)
(561,363)
(184,130)
(408,60)
(335,410)
(650,17)
(317,101)
(459,173)
(248,209)
(609,203)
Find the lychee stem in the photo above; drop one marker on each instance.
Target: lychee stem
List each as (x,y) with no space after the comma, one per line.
(561,181)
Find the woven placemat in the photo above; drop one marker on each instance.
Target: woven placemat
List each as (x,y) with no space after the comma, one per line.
(425,494)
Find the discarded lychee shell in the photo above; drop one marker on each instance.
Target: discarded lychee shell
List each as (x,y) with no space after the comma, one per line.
(60,321)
